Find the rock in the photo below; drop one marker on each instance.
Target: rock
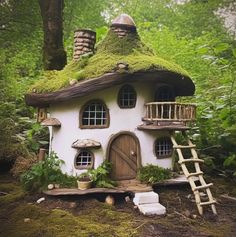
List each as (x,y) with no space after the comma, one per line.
(187,213)
(50,186)
(110,200)
(127,199)
(72,205)
(152,209)
(202,194)
(73,82)
(189,196)
(145,198)
(26,220)
(40,200)
(194,216)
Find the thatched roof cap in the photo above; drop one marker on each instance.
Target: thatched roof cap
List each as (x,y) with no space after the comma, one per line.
(123,20)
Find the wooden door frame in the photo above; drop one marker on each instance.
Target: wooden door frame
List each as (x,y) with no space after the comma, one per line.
(113,137)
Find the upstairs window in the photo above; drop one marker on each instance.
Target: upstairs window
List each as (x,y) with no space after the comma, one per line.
(94,114)
(127,97)
(84,159)
(163,147)
(164,93)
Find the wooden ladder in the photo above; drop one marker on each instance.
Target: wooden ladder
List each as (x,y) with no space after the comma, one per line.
(191,176)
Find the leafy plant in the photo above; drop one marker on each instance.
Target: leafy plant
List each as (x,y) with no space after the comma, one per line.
(45,172)
(153,174)
(84,177)
(230,165)
(100,176)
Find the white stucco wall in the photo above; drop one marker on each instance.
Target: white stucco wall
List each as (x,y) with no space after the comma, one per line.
(120,120)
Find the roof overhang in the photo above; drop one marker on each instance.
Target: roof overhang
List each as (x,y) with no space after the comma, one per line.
(183,86)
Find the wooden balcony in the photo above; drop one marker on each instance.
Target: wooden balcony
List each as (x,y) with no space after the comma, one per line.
(168,115)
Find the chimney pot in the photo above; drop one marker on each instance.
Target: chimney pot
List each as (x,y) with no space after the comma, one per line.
(84,42)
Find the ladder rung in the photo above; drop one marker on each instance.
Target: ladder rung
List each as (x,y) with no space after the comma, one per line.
(194,174)
(203,186)
(207,203)
(183,147)
(191,160)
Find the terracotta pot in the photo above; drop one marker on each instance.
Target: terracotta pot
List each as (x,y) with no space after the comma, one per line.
(83,185)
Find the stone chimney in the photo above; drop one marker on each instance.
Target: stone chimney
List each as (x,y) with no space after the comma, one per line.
(123,25)
(84,41)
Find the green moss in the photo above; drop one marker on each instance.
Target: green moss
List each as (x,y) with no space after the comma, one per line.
(129,49)
(62,223)
(14,193)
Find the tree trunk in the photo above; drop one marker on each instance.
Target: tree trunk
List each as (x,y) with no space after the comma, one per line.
(54,55)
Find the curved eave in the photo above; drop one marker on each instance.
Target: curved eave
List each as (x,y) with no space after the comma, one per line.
(183,86)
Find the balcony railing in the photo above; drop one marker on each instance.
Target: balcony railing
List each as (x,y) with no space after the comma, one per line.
(170,112)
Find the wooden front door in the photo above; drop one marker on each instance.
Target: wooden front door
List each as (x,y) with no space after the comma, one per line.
(123,154)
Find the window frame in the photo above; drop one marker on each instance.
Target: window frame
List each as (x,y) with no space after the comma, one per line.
(119,97)
(106,125)
(83,167)
(155,148)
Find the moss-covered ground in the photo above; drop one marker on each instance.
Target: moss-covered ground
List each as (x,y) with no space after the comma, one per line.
(112,50)
(20,215)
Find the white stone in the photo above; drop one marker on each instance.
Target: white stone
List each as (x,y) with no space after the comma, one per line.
(110,200)
(26,220)
(50,186)
(40,200)
(145,198)
(152,209)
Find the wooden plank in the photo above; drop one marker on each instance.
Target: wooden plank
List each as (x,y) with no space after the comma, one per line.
(159,127)
(74,191)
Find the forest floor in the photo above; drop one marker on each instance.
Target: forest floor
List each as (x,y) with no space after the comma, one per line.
(89,216)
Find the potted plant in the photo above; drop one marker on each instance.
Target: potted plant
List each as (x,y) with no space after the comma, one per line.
(84,181)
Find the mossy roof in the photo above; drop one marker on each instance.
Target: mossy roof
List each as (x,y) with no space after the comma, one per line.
(112,50)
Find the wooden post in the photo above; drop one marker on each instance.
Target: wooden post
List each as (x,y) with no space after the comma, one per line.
(41,155)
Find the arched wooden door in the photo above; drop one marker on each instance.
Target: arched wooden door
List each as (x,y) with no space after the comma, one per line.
(124,154)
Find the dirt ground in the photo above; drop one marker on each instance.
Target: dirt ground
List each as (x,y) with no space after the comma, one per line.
(20,215)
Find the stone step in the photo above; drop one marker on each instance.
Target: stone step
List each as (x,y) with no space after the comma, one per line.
(152,209)
(145,198)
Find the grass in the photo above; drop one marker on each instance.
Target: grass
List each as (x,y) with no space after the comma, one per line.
(112,50)
(14,193)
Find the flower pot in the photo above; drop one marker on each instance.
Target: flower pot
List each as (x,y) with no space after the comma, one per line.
(83,185)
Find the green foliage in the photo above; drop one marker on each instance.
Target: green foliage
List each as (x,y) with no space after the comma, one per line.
(101,175)
(14,193)
(45,172)
(230,164)
(37,137)
(153,174)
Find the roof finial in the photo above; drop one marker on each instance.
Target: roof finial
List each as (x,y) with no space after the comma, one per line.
(122,25)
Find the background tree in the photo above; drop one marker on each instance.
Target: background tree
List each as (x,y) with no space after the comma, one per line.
(54,55)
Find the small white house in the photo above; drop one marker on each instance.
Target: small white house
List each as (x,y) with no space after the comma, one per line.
(114,102)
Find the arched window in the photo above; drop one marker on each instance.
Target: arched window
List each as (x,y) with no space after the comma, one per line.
(127,97)
(94,114)
(163,147)
(84,159)
(164,93)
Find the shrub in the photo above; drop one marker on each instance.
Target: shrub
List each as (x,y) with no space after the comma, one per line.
(153,174)
(101,175)
(45,172)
